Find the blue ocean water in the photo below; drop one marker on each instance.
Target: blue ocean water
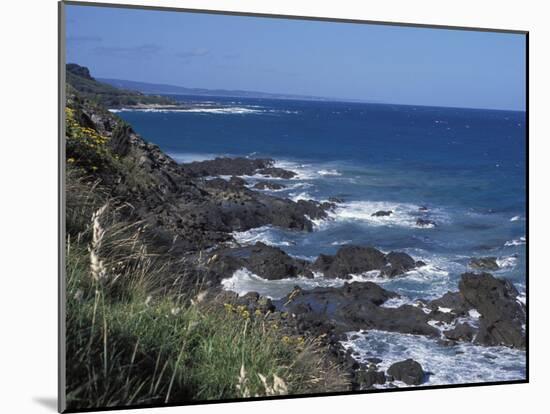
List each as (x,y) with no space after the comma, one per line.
(466,166)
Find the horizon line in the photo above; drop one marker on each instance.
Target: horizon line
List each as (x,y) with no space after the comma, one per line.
(297,96)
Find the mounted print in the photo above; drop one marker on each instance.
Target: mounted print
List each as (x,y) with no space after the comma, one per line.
(258,206)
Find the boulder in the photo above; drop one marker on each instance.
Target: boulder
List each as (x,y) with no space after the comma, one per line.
(502,315)
(484,263)
(408,371)
(350,260)
(425,223)
(227,166)
(461,332)
(353,307)
(398,263)
(382,213)
(368,378)
(272,263)
(276,172)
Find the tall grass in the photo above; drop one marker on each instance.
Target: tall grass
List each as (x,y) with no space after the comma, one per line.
(133,338)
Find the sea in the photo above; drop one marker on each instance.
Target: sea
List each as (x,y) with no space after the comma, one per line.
(462,169)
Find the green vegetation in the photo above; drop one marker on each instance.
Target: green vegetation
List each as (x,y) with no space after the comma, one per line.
(79,78)
(134,334)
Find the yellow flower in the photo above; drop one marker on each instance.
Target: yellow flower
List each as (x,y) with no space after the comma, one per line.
(70,160)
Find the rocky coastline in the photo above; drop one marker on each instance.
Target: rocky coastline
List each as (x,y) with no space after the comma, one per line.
(190,211)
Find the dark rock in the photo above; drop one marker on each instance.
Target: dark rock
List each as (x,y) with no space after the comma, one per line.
(356,306)
(350,259)
(422,208)
(227,166)
(237,181)
(502,315)
(408,371)
(452,300)
(425,223)
(398,263)
(277,172)
(268,262)
(484,263)
(442,317)
(335,200)
(382,213)
(272,263)
(367,379)
(267,185)
(461,332)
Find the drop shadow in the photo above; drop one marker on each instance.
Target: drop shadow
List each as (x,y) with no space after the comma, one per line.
(47,402)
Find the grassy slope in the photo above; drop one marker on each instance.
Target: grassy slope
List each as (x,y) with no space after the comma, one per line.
(134,338)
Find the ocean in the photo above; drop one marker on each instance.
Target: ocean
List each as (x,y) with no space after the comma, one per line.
(463,169)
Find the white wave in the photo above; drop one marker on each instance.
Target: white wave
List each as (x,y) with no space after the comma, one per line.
(340,242)
(515,242)
(293,186)
(459,364)
(225,110)
(244,281)
(400,301)
(264,234)
(302,171)
(474,314)
(329,172)
(403,214)
(300,196)
(522,298)
(508,261)
(515,218)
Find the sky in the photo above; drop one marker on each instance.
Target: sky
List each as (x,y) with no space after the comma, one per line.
(378,63)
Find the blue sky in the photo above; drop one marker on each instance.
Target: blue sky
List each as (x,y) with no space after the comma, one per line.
(378,63)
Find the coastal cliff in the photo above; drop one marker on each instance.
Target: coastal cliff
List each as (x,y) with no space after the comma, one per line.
(156,238)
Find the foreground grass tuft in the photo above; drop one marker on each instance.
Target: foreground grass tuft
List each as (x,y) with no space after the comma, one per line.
(130,340)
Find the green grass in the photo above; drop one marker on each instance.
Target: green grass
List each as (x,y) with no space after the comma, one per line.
(132,338)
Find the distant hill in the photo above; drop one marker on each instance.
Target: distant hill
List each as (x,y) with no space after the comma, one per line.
(158,88)
(79,78)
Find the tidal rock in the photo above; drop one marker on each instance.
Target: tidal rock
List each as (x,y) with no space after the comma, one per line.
(502,315)
(398,263)
(268,262)
(484,263)
(408,371)
(353,307)
(350,260)
(451,300)
(461,332)
(353,259)
(382,213)
(368,378)
(425,223)
(272,263)
(277,173)
(227,166)
(267,185)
